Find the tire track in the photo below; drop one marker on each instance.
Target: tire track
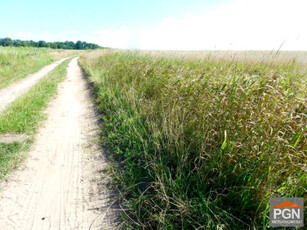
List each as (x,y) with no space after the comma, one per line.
(60,185)
(15,90)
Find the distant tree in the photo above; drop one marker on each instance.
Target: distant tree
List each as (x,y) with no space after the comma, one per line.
(6,42)
(42,44)
(69,45)
(26,43)
(33,43)
(15,43)
(78,45)
(84,45)
(18,43)
(59,45)
(54,45)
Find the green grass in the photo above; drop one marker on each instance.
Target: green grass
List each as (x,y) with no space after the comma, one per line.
(17,63)
(25,115)
(203,144)
(11,155)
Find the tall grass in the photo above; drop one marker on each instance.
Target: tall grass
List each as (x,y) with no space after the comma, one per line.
(203,144)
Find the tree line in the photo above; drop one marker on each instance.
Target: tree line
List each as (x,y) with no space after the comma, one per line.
(79,45)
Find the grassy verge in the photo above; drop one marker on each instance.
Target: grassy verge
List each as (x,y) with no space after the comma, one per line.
(17,63)
(11,155)
(203,143)
(25,115)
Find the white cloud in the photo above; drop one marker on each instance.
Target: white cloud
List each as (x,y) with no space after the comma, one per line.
(110,38)
(247,24)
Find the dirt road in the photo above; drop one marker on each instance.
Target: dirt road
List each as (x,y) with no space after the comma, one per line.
(10,93)
(60,186)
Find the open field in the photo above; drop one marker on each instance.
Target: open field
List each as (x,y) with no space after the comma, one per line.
(203,140)
(264,57)
(24,116)
(17,63)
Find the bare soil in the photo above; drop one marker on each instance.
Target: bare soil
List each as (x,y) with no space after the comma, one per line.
(15,90)
(62,184)
(12,137)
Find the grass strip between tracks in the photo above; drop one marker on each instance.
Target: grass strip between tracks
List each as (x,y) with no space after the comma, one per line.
(24,116)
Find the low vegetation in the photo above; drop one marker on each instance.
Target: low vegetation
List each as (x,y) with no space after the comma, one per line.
(17,63)
(24,116)
(202,144)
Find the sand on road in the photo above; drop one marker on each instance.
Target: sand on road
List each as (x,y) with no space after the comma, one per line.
(60,185)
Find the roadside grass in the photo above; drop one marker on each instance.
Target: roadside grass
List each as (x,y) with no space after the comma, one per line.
(17,63)
(25,115)
(11,155)
(203,144)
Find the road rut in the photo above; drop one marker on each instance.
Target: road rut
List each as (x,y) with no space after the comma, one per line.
(15,90)
(60,185)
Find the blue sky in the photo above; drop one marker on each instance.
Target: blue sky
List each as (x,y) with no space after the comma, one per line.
(160,24)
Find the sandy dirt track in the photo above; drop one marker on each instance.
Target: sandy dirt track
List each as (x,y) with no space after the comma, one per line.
(60,185)
(15,90)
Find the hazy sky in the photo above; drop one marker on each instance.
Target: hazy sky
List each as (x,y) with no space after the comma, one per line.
(161,24)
